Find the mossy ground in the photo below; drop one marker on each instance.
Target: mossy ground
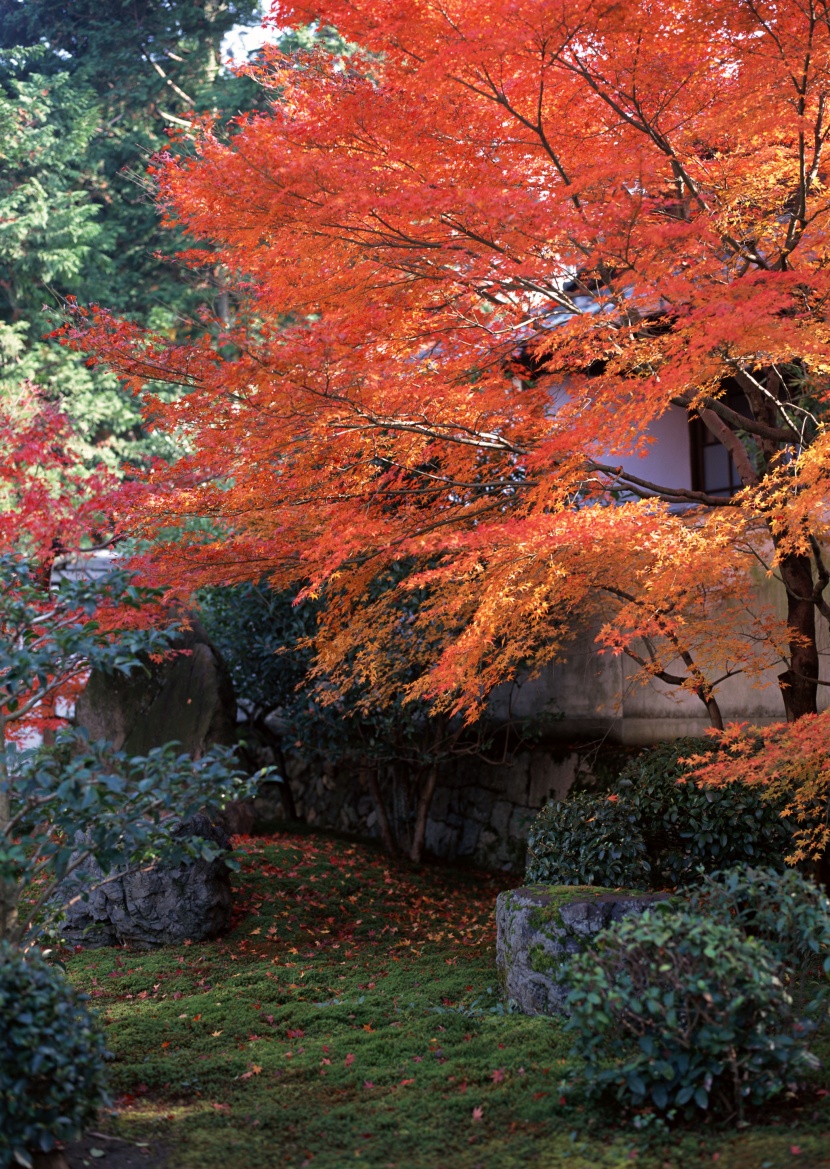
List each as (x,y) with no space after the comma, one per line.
(351,1018)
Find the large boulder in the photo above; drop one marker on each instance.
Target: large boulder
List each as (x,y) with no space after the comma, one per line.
(539,927)
(187,698)
(160,906)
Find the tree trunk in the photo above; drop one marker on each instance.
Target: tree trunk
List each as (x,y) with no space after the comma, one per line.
(286,794)
(424,801)
(53,1160)
(9,890)
(715,716)
(799,684)
(371,776)
(9,900)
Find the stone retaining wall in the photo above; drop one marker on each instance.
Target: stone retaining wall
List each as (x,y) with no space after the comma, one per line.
(480,812)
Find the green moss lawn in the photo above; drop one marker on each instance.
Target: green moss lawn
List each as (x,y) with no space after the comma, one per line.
(352,1017)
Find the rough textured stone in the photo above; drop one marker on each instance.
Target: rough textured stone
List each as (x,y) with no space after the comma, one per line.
(161,906)
(479,812)
(187,699)
(539,927)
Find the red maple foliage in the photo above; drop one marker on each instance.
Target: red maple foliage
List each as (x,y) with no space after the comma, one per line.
(790,763)
(54,512)
(53,505)
(471,263)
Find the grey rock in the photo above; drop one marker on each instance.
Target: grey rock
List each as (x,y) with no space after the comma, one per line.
(187,699)
(469,838)
(238,817)
(585,918)
(160,906)
(539,927)
(500,817)
(441,839)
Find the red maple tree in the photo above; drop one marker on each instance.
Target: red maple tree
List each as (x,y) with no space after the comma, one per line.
(471,263)
(53,505)
(55,511)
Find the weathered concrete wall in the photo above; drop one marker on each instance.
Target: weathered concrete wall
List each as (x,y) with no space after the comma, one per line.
(593,696)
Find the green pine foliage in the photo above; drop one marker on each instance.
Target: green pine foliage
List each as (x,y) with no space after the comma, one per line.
(88,92)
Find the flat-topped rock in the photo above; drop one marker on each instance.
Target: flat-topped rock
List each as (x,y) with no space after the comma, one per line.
(540,926)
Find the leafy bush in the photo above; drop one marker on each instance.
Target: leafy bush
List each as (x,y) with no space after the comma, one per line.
(787,913)
(657,828)
(587,840)
(51,1058)
(82,800)
(120,806)
(683,1011)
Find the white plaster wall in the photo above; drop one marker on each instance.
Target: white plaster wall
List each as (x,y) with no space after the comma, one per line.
(668,459)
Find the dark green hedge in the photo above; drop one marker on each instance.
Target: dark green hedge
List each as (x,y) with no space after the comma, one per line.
(51,1058)
(655,829)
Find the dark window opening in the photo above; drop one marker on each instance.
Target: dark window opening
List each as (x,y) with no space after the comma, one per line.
(713,470)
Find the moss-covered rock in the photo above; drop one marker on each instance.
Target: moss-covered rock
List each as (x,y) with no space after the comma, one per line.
(540,926)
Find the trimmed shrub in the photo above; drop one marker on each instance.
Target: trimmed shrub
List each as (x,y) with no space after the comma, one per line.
(787,913)
(588,840)
(656,829)
(51,1058)
(683,1012)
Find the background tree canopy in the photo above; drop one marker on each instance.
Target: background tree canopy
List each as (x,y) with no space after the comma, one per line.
(88,91)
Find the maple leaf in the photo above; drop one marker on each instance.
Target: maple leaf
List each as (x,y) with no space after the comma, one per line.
(478,1113)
